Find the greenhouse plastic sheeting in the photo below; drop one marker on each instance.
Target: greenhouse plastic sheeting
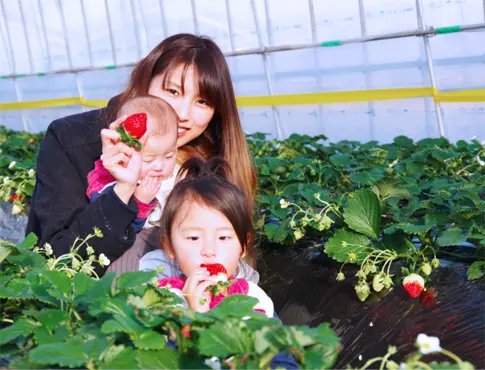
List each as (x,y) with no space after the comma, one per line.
(137,26)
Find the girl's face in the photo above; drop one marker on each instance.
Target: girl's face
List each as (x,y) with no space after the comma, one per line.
(192,109)
(203,235)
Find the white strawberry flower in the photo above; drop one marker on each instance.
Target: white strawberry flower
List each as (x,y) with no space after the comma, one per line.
(284,203)
(428,344)
(6,179)
(103,260)
(48,249)
(31,172)
(480,162)
(393,163)
(16,209)
(12,164)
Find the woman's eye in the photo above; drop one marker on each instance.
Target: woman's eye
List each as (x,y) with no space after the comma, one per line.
(193,238)
(202,102)
(172,91)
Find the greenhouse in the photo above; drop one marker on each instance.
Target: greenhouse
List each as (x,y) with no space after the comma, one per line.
(339,146)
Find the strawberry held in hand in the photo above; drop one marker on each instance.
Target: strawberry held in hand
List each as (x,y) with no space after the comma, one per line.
(217,272)
(414,285)
(133,129)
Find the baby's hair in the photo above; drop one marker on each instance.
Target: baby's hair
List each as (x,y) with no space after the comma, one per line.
(162,113)
(207,184)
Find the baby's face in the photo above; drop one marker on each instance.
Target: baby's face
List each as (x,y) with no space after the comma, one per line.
(159,155)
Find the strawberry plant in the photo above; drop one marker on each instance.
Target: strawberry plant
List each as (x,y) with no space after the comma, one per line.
(57,314)
(393,209)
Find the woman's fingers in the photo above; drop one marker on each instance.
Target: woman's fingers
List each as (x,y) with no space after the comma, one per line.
(115,149)
(115,124)
(117,159)
(110,137)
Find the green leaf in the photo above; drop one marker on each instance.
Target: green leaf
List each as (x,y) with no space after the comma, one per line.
(21,327)
(223,340)
(82,283)
(100,289)
(404,141)
(389,189)
(134,279)
(150,340)
(362,213)
(366,177)
(476,270)
(449,366)
(234,306)
(69,354)
(344,242)
(453,236)
(59,281)
(122,324)
(48,317)
(4,252)
(25,363)
(415,229)
(124,359)
(43,336)
(166,358)
(29,242)
(340,159)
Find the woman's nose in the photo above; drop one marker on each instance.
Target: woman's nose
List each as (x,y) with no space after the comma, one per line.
(183,110)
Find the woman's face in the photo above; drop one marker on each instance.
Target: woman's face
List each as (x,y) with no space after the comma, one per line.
(192,109)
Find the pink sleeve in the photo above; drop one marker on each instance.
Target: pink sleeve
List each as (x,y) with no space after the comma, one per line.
(171,282)
(144,209)
(98,178)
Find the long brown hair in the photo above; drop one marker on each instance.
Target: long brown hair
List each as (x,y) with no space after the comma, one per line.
(207,184)
(224,136)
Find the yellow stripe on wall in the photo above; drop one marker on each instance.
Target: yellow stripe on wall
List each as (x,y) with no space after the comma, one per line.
(460,96)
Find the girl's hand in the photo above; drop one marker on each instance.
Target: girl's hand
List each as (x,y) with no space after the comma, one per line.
(148,189)
(195,292)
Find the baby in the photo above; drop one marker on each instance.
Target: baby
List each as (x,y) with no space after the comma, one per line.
(158,149)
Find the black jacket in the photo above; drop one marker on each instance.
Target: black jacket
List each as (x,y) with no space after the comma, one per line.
(60,210)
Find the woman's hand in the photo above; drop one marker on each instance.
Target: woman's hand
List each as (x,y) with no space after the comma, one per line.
(123,162)
(195,290)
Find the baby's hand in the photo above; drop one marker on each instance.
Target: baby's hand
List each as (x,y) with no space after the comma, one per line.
(147,189)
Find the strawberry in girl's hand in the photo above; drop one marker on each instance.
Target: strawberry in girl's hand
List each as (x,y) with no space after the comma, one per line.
(414,285)
(216,271)
(132,129)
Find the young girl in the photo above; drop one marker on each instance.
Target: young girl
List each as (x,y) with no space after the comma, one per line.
(206,225)
(156,127)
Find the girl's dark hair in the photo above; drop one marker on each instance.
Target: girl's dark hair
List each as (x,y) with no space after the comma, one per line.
(207,183)
(223,136)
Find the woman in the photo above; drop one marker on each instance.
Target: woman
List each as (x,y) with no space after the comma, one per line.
(188,72)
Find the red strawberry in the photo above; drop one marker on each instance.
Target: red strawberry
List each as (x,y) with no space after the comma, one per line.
(133,128)
(216,270)
(32,142)
(14,197)
(136,125)
(414,285)
(185,330)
